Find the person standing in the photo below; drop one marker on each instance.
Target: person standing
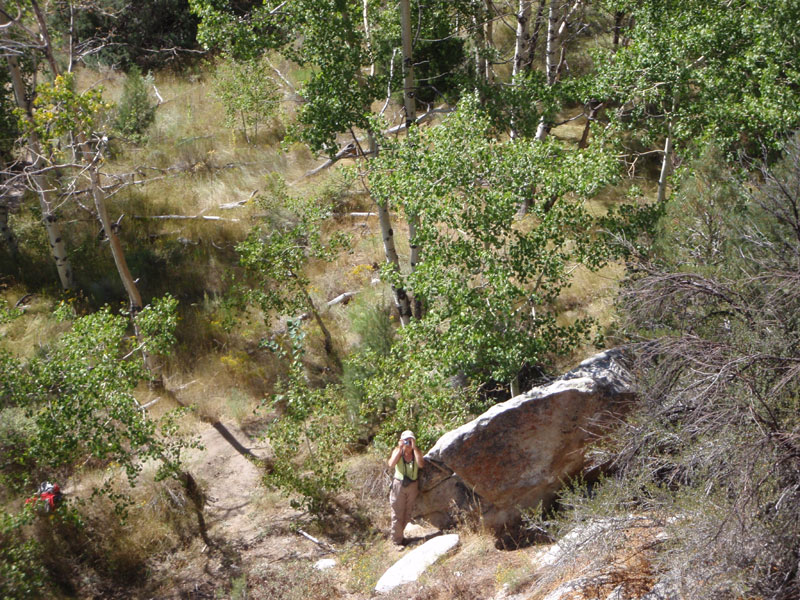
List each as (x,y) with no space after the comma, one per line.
(406,460)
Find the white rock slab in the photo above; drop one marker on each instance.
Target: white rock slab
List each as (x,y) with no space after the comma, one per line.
(413,564)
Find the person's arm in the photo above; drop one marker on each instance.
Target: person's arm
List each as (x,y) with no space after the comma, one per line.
(396,454)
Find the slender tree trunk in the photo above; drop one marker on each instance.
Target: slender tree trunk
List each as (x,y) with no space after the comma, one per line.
(98,195)
(390,251)
(326,334)
(410,103)
(550,48)
(534,40)
(522,37)
(47,47)
(594,108)
(413,226)
(618,17)
(520,42)
(399,294)
(561,34)
(409,84)
(92,158)
(368,35)
(480,49)
(665,168)
(551,66)
(39,182)
(118,254)
(489,42)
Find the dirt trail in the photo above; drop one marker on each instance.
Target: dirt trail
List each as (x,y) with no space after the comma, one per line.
(240,513)
(231,480)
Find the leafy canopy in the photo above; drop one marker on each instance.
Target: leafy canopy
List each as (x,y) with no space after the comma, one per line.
(490,282)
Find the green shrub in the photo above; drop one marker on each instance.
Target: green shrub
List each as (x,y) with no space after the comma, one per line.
(373,324)
(16,431)
(249,97)
(309,438)
(135,111)
(21,572)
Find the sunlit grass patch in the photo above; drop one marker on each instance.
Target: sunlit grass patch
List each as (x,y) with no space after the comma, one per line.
(34,328)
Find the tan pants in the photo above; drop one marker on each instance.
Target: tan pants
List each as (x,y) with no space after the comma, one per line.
(401,500)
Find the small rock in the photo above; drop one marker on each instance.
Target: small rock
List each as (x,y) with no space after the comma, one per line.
(324,564)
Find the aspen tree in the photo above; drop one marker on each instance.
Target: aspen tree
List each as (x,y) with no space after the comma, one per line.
(35,158)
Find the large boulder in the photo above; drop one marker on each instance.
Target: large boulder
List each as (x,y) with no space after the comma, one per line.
(520,452)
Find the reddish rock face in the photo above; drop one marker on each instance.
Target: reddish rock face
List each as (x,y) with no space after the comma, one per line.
(520,452)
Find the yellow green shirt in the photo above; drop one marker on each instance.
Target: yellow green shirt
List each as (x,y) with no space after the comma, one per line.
(410,469)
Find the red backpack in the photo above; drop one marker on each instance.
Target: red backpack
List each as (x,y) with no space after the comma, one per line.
(48,497)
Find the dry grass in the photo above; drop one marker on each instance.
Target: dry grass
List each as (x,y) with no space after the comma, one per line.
(571,131)
(112,551)
(221,385)
(34,329)
(589,294)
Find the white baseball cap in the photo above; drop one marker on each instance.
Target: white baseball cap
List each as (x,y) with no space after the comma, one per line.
(407,434)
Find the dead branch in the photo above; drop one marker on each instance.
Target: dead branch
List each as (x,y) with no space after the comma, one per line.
(342,298)
(350,150)
(185,218)
(237,204)
(322,545)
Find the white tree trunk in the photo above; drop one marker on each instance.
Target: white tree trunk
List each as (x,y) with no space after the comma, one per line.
(522,37)
(99,197)
(480,48)
(409,85)
(390,251)
(665,168)
(118,254)
(521,41)
(550,48)
(550,64)
(410,103)
(530,52)
(368,34)
(39,182)
(489,41)
(400,295)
